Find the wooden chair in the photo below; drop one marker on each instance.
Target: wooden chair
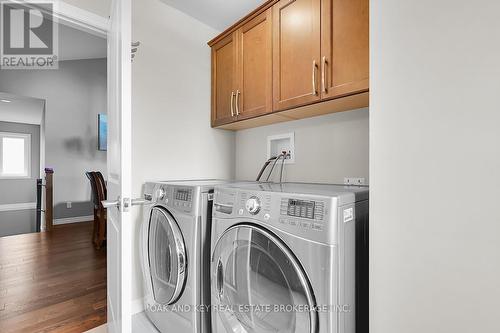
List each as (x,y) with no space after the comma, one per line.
(101,211)
(95,201)
(101,177)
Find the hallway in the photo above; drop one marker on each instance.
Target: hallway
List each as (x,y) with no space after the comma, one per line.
(52,282)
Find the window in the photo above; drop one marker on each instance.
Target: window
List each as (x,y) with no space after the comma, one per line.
(15,155)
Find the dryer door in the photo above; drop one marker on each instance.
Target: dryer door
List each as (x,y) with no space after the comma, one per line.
(167,256)
(258,285)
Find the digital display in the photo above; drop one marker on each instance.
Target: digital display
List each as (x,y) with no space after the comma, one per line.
(301,208)
(183,195)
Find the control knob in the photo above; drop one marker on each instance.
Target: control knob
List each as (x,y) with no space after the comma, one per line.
(253,205)
(160,193)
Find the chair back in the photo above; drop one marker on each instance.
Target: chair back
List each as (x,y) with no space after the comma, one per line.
(101,188)
(93,186)
(103,182)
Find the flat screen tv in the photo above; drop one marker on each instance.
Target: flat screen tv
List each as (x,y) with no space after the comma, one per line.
(102,140)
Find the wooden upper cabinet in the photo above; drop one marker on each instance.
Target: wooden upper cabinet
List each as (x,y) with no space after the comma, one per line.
(344,47)
(254,67)
(224,80)
(291,59)
(296,52)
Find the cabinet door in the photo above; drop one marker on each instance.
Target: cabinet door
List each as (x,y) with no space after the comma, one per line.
(223,81)
(344,47)
(296,53)
(254,90)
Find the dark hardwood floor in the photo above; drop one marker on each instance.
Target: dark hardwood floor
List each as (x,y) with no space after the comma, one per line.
(52,282)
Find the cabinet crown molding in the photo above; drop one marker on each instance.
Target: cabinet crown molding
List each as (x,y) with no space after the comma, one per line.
(243,20)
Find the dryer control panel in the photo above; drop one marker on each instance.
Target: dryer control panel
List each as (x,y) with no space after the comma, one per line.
(174,196)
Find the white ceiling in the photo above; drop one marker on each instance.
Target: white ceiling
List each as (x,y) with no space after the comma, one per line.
(99,7)
(75,44)
(21,109)
(219,14)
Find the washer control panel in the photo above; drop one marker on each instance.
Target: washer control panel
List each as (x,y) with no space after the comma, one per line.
(253,203)
(183,197)
(300,213)
(313,217)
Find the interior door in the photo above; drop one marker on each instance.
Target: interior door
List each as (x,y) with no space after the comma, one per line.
(296,53)
(250,268)
(344,47)
(119,241)
(255,76)
(223,81)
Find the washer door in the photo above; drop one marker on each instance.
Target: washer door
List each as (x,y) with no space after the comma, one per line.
(167,256)
(259,286)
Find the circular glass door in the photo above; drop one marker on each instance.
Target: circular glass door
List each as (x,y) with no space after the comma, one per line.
(258,284)
(167,256)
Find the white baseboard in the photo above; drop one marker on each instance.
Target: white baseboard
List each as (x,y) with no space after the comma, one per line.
(18,206)
(137,306)
(75,219)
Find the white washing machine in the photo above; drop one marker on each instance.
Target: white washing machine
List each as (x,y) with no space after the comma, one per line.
(289,258)
(175,255)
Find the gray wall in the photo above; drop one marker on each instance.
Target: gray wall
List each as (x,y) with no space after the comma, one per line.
(434,166)
(171,133)
(327,148)
(74,94)
(17,222)
(13,191)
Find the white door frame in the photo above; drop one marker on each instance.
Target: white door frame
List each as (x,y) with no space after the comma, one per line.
(81,19)
(75,17)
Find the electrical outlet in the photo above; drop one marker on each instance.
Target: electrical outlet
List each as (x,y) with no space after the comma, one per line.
(354,181)
(68,204)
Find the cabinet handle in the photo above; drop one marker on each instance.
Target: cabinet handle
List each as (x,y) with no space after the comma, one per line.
(315,66)
(237,102)
(232,98)
(323,75)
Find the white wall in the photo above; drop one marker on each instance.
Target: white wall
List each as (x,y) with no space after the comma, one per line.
(74,94)
(327,148)
(171,133)
(21,109)
(434,166)
(99,7)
